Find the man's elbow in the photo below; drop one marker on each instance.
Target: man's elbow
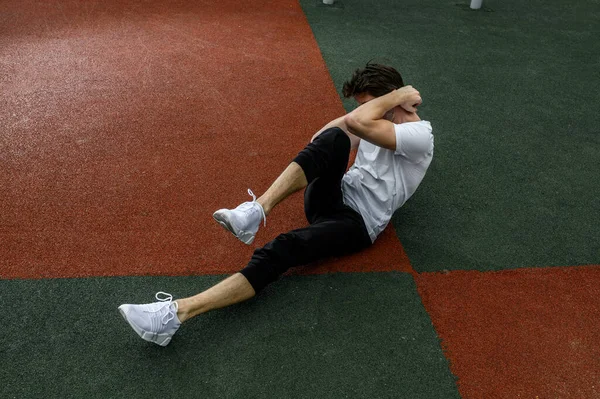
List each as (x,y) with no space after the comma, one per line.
(355,124)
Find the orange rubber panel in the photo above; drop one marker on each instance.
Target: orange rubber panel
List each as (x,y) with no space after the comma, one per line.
(527,333)
(125,125)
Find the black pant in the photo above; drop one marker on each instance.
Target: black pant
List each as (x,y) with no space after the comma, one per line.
(335,229)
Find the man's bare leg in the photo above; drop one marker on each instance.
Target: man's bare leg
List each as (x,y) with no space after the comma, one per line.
(232,290)
(291,180)
(157,322)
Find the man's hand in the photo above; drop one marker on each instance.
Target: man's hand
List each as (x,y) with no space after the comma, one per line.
(409,98)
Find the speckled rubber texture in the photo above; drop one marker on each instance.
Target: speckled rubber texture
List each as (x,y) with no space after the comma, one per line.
(126,124)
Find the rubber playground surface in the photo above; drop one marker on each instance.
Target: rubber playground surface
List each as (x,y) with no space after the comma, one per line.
(124,125)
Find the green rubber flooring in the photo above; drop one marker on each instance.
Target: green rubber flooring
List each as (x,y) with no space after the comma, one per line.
(353,335)
(512,94)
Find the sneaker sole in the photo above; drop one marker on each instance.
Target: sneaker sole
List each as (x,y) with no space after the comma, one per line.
(159,339)
(223,219)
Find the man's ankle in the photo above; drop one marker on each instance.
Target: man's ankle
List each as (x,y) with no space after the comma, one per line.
(265,205)
(182,313)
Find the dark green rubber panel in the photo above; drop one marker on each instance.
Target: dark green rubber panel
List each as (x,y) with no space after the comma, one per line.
(512,93)
(327,336)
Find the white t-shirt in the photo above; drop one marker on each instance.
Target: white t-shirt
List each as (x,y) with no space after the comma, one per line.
(380,181)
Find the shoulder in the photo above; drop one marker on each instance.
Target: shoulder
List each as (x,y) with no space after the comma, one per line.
(414,140)
(418,126)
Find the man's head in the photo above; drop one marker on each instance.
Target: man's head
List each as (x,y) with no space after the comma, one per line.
(374,80)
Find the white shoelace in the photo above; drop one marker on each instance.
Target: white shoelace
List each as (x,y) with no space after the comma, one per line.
(259,205)
(168,299)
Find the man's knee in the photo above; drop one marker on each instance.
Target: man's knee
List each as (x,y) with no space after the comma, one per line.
(335,136)
(334,146)
(328,152)
(271,261)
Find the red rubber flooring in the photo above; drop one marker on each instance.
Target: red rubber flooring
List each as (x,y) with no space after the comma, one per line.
(528,333)
(126,125)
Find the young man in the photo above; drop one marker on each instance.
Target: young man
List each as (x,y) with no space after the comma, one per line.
(346,211)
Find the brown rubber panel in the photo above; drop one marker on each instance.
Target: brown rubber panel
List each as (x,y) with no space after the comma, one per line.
(125,125)
(527,333)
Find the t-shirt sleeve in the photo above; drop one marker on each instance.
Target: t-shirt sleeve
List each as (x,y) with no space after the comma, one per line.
(414,141)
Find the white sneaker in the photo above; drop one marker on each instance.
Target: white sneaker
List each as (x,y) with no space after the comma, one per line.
(243,221)
(155,322)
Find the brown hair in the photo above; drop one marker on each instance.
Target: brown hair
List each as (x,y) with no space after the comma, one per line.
(374,79)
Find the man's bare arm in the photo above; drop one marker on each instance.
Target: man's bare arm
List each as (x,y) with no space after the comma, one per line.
(366,121)
(339,122)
